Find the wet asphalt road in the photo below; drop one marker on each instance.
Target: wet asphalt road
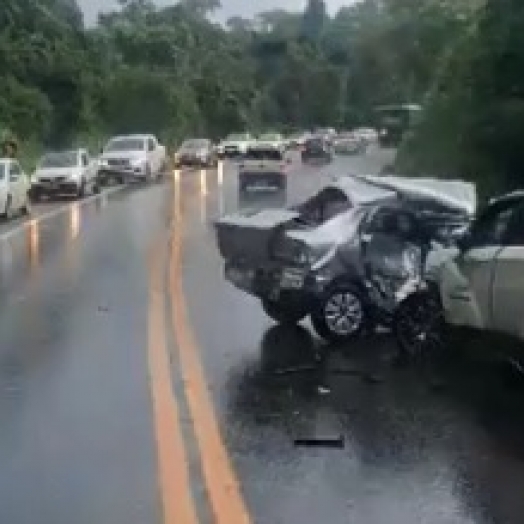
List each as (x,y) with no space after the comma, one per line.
(137,386)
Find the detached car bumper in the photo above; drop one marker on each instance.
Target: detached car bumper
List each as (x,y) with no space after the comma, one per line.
(301,284)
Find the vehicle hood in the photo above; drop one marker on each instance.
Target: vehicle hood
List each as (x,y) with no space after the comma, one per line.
(128,155)
(55,172)
(456,194)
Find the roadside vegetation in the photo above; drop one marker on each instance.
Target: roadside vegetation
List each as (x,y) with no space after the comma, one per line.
(174,72)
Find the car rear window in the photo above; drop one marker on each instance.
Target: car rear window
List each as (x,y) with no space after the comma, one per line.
(264,154)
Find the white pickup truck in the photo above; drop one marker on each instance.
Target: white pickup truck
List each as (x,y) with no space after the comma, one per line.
(64,173)
(132,158)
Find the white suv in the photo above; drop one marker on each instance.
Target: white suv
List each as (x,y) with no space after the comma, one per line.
(64,173)
(479,288)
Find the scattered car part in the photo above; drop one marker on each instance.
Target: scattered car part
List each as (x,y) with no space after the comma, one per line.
(319,442)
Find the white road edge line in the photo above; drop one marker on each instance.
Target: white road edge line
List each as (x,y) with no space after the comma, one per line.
(55,212)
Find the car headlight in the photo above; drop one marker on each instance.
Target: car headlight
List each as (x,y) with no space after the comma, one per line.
(103,163)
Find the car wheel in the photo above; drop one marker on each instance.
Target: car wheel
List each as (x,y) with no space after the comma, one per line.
(27,206)
(35,195)
(284,312)
(8,211)
(420,329)
(340,315)
(81,192)
(149,173)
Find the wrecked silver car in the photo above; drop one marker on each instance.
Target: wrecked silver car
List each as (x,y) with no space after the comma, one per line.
(342,256)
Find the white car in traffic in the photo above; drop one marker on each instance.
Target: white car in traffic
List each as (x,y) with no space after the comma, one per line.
(235,145)
(132,158)
(14,189)
(271,140)
(65,173)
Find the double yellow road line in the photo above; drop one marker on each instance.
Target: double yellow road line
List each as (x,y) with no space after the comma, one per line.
(222,488)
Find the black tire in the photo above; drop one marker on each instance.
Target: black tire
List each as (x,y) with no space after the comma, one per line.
(149,174)
(27,208)
(36,196)
(282,312)
(420,329)
(8,214)
(349,300)
(81,193)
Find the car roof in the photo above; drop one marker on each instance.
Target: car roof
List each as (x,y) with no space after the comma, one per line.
(360,192)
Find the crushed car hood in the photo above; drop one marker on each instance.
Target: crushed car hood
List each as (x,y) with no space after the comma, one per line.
(456,194)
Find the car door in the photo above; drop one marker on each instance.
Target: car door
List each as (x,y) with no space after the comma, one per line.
(467,280)
(508,281)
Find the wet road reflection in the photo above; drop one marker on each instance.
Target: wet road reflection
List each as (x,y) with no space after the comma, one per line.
(74,220)
(33,244)
(203,196)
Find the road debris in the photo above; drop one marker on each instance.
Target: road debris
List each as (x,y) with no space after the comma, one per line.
(327,442)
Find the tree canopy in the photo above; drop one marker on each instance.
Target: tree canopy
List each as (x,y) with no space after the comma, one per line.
(174,72)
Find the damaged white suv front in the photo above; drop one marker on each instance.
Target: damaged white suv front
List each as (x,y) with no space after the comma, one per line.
(479,287)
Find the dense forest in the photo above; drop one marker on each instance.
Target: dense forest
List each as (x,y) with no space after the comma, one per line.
(174,72)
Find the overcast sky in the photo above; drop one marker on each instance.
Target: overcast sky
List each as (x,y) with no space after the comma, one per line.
(245,8)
